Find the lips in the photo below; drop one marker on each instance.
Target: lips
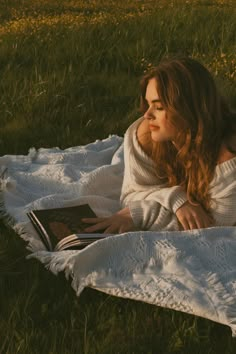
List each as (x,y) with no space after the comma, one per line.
(153,127)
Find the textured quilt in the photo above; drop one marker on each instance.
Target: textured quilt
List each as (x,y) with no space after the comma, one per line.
(190,271)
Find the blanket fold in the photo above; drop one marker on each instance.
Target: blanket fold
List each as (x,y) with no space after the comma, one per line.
(189,271)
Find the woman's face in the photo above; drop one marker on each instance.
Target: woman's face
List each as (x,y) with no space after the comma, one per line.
(161,128)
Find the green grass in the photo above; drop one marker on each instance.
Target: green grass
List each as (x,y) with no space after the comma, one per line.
(70,74)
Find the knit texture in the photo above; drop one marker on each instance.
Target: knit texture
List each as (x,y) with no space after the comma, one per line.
(189,271)
(153,205)
(192,271)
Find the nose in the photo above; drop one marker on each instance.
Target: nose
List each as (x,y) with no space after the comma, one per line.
(149,114)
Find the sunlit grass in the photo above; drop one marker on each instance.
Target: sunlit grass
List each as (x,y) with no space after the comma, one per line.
(77,75)
(70,74)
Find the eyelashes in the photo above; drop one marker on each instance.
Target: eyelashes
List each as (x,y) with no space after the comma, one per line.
(146,106)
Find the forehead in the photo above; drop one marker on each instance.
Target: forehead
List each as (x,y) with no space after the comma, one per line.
(151,90)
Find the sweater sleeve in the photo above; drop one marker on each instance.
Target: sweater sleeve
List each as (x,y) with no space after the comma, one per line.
(223,194)
(151,215)
(151,203)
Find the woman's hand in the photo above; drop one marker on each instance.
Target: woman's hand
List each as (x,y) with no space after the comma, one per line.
(193,217)
(117,223)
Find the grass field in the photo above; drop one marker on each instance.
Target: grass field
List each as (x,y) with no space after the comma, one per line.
(70,73)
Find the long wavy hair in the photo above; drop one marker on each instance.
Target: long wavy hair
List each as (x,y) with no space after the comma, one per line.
(203,120)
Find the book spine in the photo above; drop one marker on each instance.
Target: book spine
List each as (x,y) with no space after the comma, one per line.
(41,230)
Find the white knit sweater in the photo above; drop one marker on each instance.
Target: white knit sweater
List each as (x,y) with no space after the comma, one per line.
(153,205)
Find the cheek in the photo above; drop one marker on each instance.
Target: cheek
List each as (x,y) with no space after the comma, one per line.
(171,128)
(162,118)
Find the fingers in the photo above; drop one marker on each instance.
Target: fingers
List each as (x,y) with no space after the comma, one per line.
(188,224)
(184,223)
(111,230)
(193,225)
(203,220)
(194,217)
(92,220)
(99,226)
(94,228)
(208,223)
(117,223)
(124,229)
(106,225)
(200,223)
(196,223)
(191,222)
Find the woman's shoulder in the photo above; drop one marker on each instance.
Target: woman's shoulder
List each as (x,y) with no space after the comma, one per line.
(225,155)
(143,126)
(226,166)
(144,136)
(138,135)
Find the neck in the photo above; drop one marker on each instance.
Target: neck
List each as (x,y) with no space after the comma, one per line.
(224,154)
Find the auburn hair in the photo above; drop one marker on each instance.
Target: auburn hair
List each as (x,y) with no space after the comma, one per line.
(203,120)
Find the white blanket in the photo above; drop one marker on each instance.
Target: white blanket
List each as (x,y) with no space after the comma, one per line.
(193,271)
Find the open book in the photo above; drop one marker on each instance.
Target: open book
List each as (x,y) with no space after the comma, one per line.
(62,228)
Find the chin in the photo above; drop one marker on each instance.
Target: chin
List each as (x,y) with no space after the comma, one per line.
(157,139)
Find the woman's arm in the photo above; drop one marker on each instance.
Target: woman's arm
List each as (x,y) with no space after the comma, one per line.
(223,201)
(151,203)
(140,178)
(147,203)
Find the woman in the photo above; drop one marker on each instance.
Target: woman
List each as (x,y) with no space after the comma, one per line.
(180,157)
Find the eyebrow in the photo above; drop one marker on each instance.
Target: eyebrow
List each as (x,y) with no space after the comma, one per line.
(153,101)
